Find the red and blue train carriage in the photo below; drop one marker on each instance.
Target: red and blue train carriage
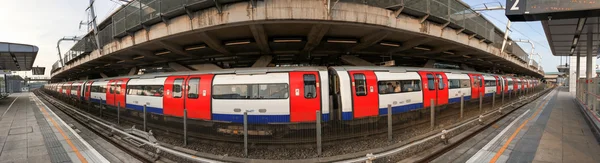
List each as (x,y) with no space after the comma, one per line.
(289,95)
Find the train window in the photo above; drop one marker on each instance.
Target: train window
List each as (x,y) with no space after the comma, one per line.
(310,86)
(441,84)
(454,83)
(398,86)
(251,91)
(430,82)
(465,83)
(360,84)
(118,88)
(177,87)
(145,90)
(112,89)
(193,88)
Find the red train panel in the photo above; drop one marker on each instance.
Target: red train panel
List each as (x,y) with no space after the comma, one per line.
(477,86)
(198,104)
(365,95)
(173,99)
(438,91)
(303,104)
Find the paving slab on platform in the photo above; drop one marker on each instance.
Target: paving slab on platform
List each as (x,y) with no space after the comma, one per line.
(551,129)
(32,132)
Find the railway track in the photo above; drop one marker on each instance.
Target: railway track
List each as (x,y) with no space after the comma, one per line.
(333,135)
(147,152)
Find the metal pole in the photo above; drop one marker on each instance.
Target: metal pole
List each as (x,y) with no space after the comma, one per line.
(319,149)
(185,127)
(145,117)
(246,133)
(589,67)
(432,114)
(493,100)
(389,118)
(481,101)
(503,92)
(462,105)
(119,113)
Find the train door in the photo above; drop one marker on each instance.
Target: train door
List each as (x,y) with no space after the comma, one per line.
(80,85)
(365,96)
(110,92)
(305,97)
(120,92)
(476,85)
(68,91)
(173,99)
(198,96)
(505,85)
(499,83)
(88,90)
(435,86)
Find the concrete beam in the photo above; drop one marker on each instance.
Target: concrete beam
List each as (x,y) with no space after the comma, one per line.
(126,59)
(103,75)
(370,39)
(261,38)
(315,36)
(410,44)
(147,54)
(205,67)
(440,49)
(133,71)
(430,64)
(213,43)
(263,61)
(178,67)
(174,48)
(355,61)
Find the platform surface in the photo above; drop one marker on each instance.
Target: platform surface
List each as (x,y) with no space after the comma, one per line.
(31,132)
(551,129)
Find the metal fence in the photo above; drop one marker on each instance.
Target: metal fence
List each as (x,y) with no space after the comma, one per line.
(589,97)
(139,13)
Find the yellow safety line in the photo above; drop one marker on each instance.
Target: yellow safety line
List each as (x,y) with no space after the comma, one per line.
(81,158)
(499,153)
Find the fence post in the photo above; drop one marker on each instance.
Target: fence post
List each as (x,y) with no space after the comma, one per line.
(246,133)
(185,127)
(503,92)
(119,113)
(389,120)
(145,117)
(432,114)
(493,100)
(462,104)
(319,149)
(481,94)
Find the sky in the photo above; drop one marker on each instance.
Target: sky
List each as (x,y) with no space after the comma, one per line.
(43,22)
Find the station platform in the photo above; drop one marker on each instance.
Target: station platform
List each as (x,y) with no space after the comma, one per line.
(31,132)
(551,129)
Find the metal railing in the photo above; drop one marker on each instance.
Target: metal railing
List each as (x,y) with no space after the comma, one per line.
(139,13)
(589,96)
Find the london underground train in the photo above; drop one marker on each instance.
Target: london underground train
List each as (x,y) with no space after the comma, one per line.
(284,98)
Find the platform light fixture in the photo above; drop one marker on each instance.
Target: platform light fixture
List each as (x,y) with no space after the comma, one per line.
(392,44)
(138,57)
(287,40)
(343,41)
(575,40)
(108,64)
(421,48)
(580,24)
(121,61)
(466,56)
(448,52)
(163,53)
(196,47)
(237,42)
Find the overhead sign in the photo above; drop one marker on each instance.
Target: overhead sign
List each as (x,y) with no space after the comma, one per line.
(5,72)
(533,10)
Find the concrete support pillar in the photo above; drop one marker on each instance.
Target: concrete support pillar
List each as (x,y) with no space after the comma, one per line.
(178,67)
(430,64)
(263,61)
(103,75)
(133,71)
(355,61)
(588,63)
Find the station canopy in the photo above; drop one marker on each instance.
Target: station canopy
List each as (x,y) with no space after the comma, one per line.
(17,57)
(567,23)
